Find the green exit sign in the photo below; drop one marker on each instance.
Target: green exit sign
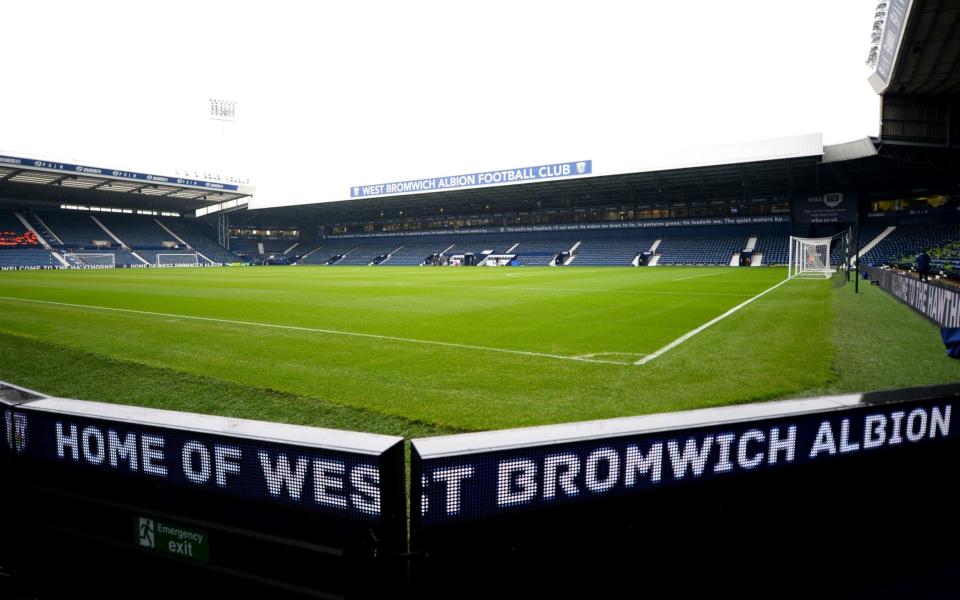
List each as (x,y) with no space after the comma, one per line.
(174,539)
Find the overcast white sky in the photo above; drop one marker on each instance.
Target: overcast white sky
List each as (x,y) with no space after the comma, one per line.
(336,94)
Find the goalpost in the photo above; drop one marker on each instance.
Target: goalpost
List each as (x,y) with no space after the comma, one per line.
(810,258)
(178,260)
(90,260)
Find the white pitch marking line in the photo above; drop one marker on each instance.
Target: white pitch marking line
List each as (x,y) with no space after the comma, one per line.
(611,354)
(690,334)
(319,330)
(704,275)
(512,288)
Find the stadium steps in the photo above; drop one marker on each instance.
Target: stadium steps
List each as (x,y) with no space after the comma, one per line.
(26,223)
(304,257)
(655,245)
(572,252)
(60,258)
(182,241)
(342,256)
(287,251)
(757,259)
(751,244)
(654,260)
(40,225)
(883,234)
(390,254)
(735,259)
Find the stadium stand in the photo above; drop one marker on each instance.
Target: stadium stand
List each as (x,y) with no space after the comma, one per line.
(41,227)
(908,240)
(329,250)
(478,244)
(304,249)
(616,247)
(414,251)
(541,251)
(945,259)
(364,254)
(78,232)
(76,229)
(244,247)
(259,247)
(13,233)
(773,242)
(610,247)
(74,232)
(143,235)
(276,246)
(138,232)
(20,257)
(699,245)
(19,247)
(699,250)
(192,233)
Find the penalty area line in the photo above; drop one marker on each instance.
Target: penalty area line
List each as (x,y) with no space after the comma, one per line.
(357,334)
(690,334)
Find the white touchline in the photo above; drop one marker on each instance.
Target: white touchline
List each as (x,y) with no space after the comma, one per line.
(690,334)
(319,330)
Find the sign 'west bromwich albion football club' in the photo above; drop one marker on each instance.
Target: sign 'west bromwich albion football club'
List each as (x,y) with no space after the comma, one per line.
(481,179)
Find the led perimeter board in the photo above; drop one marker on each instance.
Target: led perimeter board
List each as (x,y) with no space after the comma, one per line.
(159,502)
(820,492)
(938,303)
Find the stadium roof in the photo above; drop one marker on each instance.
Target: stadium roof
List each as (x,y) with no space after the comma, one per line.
(704,168)
(754,168)
(917,53)
(58,182)
(865,165)
(928,60)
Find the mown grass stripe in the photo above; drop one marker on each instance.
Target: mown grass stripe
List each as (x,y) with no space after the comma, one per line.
(316,330)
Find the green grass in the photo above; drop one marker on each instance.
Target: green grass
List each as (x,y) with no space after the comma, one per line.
(804,337)
(882,344)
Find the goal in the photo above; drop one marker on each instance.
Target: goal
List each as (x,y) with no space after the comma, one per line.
(178,260)
(810,258)
(86,260)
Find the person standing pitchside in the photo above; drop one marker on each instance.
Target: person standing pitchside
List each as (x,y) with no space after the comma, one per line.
(923,266)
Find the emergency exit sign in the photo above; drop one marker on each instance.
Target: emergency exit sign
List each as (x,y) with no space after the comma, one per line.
(172,539)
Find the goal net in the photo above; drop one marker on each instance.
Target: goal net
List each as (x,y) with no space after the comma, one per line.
(178,260)
(816,258)
(90,260)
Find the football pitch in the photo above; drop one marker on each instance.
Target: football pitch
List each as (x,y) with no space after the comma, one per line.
(423,350)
